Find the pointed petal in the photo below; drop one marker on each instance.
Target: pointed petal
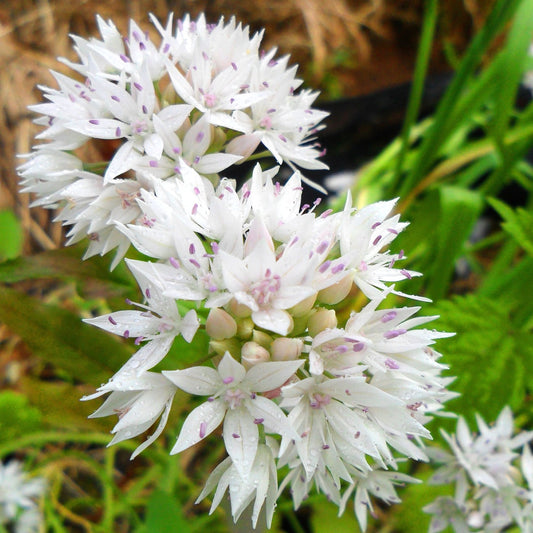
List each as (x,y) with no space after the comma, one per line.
(241,437)
(201,422)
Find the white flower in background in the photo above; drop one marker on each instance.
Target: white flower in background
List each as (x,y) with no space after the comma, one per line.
(200,99)
(18,498)
(489,492)
(378,483)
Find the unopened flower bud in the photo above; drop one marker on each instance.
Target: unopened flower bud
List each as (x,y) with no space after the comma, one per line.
(337,292)
(233,346)
(303,307)
(262,338)
(220,324)
(243,145)
(285,349)
(321,320)
(253,353)
(245,328)
(239,310)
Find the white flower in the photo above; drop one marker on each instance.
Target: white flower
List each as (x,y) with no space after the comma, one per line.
(260,485)
(378,483)
(447,511)
(362,236)
(350,417)
(138,400)
(18,492)
(383,340)
(487,481)
(233,397)
(159,322)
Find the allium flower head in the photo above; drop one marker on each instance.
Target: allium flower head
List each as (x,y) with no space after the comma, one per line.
(489,492)
(199,96)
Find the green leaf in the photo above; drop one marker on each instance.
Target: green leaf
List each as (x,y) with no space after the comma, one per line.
(17,416)
(60,405)
(324,514)
(459,210)
(61,338)
(12,235)
(518,224)
(164,515)
(486,355)
(66,264)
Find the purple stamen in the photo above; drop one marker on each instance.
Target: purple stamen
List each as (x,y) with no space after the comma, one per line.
(112,320)
(393,333)
(387,317)
(94,121)
(390,363)
(203,429)
(405,273)
(228,380)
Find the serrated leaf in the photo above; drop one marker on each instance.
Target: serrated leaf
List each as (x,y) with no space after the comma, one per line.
(12,235)
(484,355)
(518,224)
(61,338)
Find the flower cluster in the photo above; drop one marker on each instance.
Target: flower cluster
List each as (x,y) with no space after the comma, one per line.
(295,379)
(205,97)
(18,494)
(489,492)
(307,371)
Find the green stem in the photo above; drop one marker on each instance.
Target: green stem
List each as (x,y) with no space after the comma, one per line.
(99,165)
(40,439)
(295,523)
(108,518)
(415,98)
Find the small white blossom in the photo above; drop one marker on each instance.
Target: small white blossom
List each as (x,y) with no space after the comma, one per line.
(234,397)
(18,495)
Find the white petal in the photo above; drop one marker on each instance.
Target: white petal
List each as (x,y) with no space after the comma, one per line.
(200,380)
(229,368)
(275,320)
(201,422)
(241,437)
(271,375)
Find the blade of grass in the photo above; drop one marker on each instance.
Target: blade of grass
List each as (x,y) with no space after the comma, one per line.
(500,14)
(415,98)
